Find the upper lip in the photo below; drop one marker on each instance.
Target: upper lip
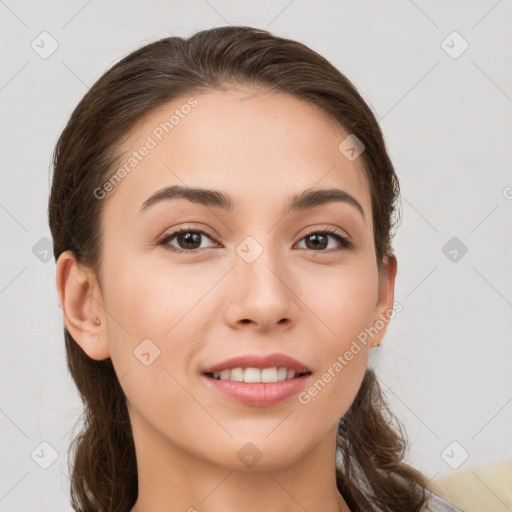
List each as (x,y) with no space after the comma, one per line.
(256,361)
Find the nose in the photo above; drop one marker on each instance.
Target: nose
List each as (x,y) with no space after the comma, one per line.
(262,293)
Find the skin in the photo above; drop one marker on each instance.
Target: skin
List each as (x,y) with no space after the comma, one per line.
(200,309)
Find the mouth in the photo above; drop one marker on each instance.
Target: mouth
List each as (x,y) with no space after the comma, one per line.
(255,391)
(269,368)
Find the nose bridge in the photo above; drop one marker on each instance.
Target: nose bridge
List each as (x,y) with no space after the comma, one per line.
(260,262)
(261,279)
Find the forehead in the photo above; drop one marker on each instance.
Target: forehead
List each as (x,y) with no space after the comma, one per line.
(249,144)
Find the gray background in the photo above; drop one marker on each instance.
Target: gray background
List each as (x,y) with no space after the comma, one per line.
(445,361)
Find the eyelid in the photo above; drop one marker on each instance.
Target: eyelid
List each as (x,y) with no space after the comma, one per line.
(346,241)
(326,229)
(170,234)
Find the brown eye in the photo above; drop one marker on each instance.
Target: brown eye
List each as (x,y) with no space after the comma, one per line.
(188,240)
(319,240)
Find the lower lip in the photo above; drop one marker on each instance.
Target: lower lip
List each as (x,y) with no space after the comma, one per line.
(262,394)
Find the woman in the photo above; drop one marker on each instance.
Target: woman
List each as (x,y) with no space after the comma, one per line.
(221,210)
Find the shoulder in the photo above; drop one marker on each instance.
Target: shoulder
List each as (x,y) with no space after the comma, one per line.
(438,504)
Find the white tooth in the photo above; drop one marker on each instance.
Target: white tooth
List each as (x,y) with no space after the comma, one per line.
(282,373)
(225,374)
(269,375)
(252,375)
(237,374)
(255,374)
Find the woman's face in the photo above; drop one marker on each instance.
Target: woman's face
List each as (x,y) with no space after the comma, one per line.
(263,279)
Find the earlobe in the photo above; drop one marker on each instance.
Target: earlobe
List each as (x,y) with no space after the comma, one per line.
(82,306)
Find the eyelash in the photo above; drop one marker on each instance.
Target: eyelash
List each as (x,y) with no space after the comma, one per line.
(343,240)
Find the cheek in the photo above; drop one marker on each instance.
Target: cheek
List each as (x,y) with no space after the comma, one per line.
(151,301)
(343,302)
(152,335)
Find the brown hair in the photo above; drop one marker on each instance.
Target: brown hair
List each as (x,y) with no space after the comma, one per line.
(372,475)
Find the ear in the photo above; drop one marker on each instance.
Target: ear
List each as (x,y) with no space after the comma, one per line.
(81,303)
(384,307)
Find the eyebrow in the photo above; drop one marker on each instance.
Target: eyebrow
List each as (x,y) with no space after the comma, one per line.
(214,198)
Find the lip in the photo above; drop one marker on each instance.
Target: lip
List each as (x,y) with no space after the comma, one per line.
(275,359)
(259,394)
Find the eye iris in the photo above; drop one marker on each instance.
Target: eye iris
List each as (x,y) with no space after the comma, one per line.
(316,244)
(189,238)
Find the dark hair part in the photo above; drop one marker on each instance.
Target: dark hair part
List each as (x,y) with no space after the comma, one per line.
(373,474)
